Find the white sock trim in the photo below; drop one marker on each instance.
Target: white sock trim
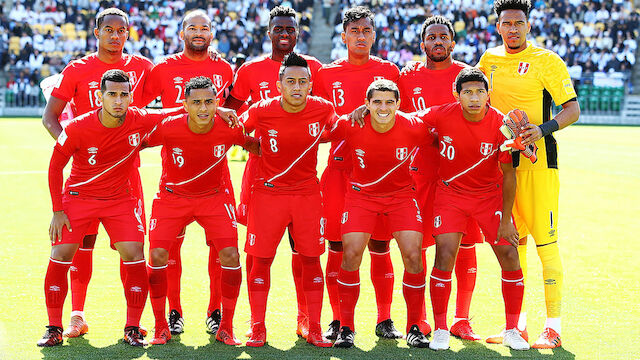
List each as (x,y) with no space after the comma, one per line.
(335,252)
(157,267)
(133,262)
(471,246)
(60,262)
(437,278)
(231,268)
(77,313)
(512,281)
(83,249)
(346,284)
(553,323)
(414,286)
(377,253)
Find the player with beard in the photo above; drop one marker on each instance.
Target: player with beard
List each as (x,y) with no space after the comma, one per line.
(344,82)
(257,80)
(167,80)
(79,85)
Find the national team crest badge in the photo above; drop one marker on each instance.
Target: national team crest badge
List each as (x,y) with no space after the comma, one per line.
(437,221)
(314,129)
(218,150)
(402,153)
(252,239)
(523,67)
(217,81)
(134,139)
(345,217)
(485,148)
(133,78)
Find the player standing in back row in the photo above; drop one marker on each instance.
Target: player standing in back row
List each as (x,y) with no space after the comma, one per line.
(524,76)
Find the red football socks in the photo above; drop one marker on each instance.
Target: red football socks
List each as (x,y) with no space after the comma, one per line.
(423,306)
(158,293)
(440,288)
(413,290)
(512,292)
(296,269)
(259,284)
(334,259)
(466,268)
(55,289)
(174,273)
(382,278)
(231,278)
(80,275)
(313,285)
(136,288)
(349,291)
(215,275)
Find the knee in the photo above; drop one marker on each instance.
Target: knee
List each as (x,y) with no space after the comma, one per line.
(351,259)
(60,253)
(229,257)
(158,256)
(413,262)
(445,258)
(131,252)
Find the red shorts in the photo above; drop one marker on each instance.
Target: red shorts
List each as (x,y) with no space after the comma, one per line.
(364,213)
(119,218)
(248,178)
(271,213)
(333,186)
(452,212)
(171,213)
(426,191)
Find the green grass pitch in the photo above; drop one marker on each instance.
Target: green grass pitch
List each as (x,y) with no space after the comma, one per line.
(599,226)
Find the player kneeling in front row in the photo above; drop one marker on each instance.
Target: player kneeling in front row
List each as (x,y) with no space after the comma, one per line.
(192,188)
(380,186)
(104,144)
(471,185)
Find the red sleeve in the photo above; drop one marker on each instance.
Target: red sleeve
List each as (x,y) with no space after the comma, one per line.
(239,137)
(314,66)
(429,116)
(339,130)
(241,84)
(153,117)
(227,77)
(318,86)
(56,166)
(65,89)
(395,73)
(155,136)
(152,86)
(248,119)
(64,144)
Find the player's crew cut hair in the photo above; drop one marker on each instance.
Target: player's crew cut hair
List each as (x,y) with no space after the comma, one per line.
(281,11)
(110,11)
(290,60)
(500,5)
(198,82)
(196,12)
(114,75)
(356,13)
(470,74)
(437,20)
(383,85)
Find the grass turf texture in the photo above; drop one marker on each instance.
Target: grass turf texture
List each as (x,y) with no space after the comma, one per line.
(599,210)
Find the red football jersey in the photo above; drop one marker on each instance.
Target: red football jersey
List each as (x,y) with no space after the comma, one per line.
(193,164)
(421,88)
(346,86)
(80,81)
(380,161)
(469,151)
(256,79)
(289,142)
(168,78)
(103,158)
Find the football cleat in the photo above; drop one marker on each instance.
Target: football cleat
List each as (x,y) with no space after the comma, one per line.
(77,327)
(462,329)
(258,335)
(345,338)
(226,337)
(302,329)
(161,336)
(514,340)
(133,336)
(316,339)
(176,322)
(424,326)
(440,340)
(386,330)
(333,330)
(497,339)
(51,337)
(415,338)
(549,339)
(213,322)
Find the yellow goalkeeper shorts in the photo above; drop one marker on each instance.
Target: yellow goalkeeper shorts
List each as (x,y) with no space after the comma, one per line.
(535,210)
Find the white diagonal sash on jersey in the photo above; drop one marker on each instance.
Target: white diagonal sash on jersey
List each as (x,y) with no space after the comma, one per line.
(301,155)
(338,146)
(470,168)
(112,166)
(202,173)
(388,172)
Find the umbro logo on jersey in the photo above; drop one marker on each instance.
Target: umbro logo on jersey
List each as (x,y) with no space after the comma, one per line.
(523,67)
(217,81)
(437,221)
(485,148)
(273,133)
(177,80)
(314,129)
(177,151)
(447,139)
(337,84)
(402,153)
(94,85)
(92,150)
(494,68)
(219,150)
(134,139)
(417,91)
(264,85)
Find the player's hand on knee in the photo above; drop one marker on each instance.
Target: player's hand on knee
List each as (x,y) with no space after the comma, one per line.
(58,221)
(357,115)
(508,231)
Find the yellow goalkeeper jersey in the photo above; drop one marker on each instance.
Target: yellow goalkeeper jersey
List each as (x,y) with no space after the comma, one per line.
(529,80)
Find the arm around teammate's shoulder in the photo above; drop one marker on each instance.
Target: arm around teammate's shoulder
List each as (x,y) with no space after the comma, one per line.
(52,112)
